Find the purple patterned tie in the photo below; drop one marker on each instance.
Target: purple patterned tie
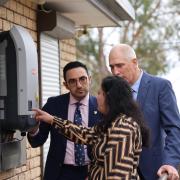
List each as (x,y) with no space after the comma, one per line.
(78,148)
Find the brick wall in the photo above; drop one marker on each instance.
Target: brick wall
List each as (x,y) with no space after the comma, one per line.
(23,13)
(67,54)
(19,12)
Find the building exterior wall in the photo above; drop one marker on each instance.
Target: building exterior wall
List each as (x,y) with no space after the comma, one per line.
(23,13)
(67,54)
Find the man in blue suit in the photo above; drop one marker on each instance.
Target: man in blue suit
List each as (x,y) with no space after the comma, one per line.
(60,164)
(158,103)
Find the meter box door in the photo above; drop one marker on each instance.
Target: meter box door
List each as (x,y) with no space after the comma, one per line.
(18,80)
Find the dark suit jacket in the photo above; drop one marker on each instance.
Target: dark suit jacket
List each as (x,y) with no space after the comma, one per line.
(58,106)
(158,103)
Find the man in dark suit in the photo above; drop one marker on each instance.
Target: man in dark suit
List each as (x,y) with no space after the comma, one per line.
(158,103)
(60,164)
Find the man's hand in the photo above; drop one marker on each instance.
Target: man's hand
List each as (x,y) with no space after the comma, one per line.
(170,170)
(43,116)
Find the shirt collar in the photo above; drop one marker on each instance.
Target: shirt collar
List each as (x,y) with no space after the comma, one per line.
(135,86)
(84,101)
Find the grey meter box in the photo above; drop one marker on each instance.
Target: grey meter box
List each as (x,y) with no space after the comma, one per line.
(18,80)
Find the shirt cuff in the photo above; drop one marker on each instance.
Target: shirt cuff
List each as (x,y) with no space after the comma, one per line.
(34,134)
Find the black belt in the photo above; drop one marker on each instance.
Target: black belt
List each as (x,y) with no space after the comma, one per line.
(73,166)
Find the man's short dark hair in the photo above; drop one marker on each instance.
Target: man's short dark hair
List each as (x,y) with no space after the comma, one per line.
(72,65)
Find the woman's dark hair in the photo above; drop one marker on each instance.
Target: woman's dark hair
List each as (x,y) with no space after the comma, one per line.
(72,65)
(119,100)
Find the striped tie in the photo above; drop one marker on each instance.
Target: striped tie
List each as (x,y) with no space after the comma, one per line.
(134,93)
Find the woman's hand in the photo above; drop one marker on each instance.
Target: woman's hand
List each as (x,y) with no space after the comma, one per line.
(43,116)
(170,170)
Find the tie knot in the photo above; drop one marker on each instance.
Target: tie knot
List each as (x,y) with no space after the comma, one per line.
(78,104)
(133,91)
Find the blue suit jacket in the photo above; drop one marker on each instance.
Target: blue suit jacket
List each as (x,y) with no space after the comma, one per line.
(58,106)
(158,103)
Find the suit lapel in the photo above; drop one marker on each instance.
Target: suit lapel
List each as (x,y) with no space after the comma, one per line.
(93,113)
(64,103)
(143,89)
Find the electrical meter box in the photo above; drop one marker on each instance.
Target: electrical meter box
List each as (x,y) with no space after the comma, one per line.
(18,80)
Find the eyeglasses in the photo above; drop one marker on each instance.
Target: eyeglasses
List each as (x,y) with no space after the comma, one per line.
(73,82)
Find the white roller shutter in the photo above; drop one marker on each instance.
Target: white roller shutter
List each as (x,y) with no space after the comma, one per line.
(50,74)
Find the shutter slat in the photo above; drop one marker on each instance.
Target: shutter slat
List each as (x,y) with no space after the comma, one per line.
(50,75)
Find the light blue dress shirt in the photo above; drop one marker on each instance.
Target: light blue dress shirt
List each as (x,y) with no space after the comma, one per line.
(135,86)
